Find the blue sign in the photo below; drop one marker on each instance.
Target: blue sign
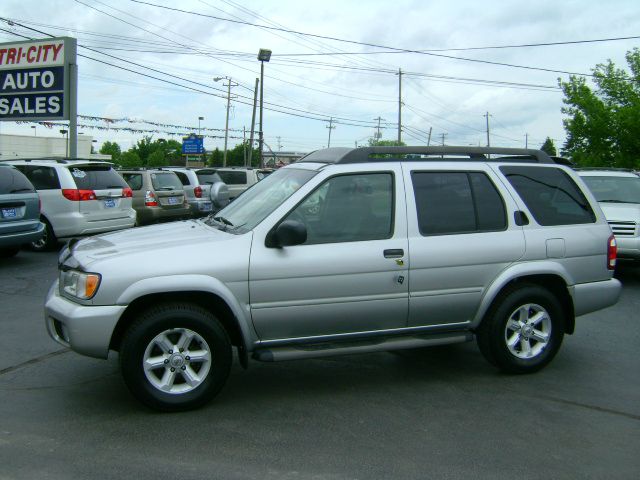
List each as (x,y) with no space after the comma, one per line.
(192,145)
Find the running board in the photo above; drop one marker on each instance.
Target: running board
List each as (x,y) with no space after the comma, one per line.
(277,354)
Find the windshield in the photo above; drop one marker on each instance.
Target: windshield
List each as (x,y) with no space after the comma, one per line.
(254,205)
(614,189)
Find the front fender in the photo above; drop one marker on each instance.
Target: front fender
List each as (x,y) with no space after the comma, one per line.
(196,283)
(514,272)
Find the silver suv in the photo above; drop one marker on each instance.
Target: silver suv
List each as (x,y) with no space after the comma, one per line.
(239,179)
(79,197)
(205,190)
(618,192)
(158,195)
(346,251)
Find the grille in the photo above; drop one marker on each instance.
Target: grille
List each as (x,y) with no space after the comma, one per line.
(623,229)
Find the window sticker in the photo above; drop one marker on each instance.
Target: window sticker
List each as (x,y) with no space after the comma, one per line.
(76,172)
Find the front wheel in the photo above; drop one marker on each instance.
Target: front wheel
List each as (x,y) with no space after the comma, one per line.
(523,331)
(175,357)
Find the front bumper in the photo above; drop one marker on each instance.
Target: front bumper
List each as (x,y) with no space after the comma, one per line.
(85,329)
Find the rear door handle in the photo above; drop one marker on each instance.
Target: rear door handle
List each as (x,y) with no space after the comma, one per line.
(393,253)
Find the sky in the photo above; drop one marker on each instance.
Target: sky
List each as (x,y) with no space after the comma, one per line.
(333,63)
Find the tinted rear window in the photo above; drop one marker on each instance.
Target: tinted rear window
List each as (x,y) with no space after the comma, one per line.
(96,177)
(233,177)
(208,177)
(552,197)
(12,181)
(166,181)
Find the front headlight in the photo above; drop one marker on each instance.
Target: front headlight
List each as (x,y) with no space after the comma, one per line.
(78,284)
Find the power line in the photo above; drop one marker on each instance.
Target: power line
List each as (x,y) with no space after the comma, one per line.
(325,37)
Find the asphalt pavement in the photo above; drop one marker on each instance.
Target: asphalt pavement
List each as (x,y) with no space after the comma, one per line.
(441,413)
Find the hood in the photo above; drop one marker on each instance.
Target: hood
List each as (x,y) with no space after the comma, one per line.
(621,212)
(163,239)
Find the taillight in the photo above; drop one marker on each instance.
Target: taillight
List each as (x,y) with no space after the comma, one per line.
(150,199)
(127,192)
(78,195)
(612,253)
(198,191)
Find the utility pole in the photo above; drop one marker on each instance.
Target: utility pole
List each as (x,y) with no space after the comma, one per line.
(244,146)
(279,144)
(526,140)
(442,135)
(377,136)
(487,117)
(330,127)
(399,106)
(226,126)
(253,120)
(429,139)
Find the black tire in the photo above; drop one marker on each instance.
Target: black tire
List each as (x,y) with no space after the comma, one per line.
(9,252)
(145,337)
(521,348)
(47,242)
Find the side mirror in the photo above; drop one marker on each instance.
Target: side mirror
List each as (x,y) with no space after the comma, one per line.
(288,233)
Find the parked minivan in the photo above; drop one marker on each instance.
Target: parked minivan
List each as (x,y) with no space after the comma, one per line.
(79,197)
(19,211)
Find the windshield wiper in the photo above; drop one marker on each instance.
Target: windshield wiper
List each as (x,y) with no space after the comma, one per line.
(223,220)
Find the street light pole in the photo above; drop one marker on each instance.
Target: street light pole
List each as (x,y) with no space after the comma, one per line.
(199,129)
(264,55)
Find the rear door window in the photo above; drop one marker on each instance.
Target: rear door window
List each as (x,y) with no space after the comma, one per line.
(134,180)
(42,178)
(96,177)
(552,197)
(457,202)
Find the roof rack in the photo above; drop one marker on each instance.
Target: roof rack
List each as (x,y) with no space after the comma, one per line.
(614,169)
(54,159)
(342,155)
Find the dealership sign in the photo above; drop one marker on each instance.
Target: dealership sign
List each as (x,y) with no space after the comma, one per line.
(193,145)
(35,79)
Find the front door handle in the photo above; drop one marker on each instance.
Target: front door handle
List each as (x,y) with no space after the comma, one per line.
(393,253)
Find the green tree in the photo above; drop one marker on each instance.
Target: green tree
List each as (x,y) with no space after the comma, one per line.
(603,125)
(157,159)
(111,148)
(129,159)
(385,143)
(549,147)
(215,159)
(143,148)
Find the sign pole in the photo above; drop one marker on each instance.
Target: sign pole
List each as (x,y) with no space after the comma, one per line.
(73,110)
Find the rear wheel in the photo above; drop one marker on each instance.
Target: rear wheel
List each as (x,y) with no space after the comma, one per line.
(175,357)
(523,331)
(47,242)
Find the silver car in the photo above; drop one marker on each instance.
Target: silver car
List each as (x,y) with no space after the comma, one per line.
(79,197)
(346,251)
(618,192)
(205,190)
